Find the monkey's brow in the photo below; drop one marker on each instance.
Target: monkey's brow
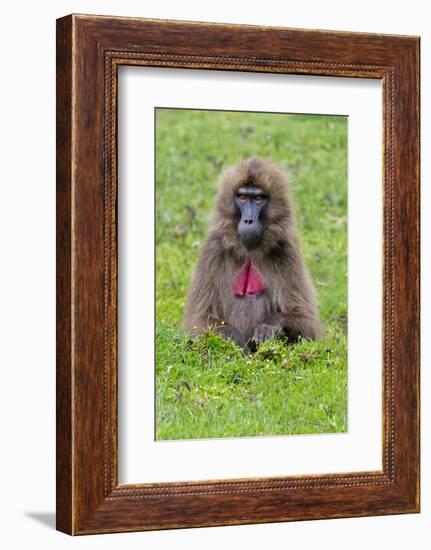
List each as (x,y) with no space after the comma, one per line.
(250,191)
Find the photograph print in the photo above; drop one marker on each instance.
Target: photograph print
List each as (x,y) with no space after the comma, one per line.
(251,274)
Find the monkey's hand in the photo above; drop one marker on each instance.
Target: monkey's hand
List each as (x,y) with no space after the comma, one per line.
(230,333)
(264,332)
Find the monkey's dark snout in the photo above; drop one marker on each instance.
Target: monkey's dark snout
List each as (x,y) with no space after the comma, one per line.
(250,232)
(250,203)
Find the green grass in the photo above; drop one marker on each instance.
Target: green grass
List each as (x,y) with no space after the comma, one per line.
(207,387)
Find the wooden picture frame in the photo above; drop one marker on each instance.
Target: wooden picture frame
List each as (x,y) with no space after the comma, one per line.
(89,51)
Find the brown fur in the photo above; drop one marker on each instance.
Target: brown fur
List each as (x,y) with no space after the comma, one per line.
(288,306)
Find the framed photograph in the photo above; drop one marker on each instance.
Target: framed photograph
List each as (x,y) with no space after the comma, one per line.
(237,274)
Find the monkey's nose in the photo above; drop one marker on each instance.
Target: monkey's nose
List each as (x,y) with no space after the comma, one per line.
(248,221)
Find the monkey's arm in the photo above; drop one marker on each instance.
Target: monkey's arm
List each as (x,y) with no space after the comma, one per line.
(298,319)
(201,294)
(296,323)
(227,331)
(295,313)
(201,312)
(207,321)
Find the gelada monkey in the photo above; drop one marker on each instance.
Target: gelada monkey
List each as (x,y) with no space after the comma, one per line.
(250,282)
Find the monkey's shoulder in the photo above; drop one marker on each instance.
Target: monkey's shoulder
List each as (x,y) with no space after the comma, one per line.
(216,255)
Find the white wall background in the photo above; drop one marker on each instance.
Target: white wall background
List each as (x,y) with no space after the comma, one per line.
(27,280)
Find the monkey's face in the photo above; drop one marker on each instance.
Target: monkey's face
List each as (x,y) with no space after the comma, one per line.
(250,202)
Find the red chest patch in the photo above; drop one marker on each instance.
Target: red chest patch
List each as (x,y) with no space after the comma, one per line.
(248,281)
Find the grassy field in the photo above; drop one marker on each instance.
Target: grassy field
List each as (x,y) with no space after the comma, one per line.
(207,387)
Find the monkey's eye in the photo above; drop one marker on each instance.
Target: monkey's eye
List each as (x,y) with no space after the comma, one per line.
(242,198)
(258,199)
